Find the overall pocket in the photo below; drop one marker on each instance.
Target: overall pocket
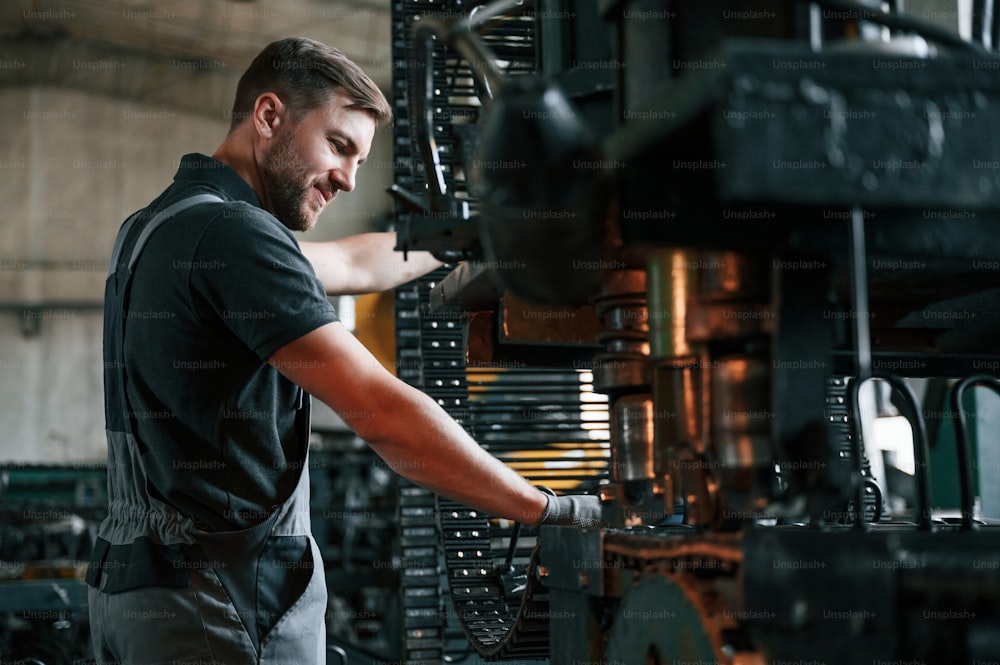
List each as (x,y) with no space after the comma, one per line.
(284,571)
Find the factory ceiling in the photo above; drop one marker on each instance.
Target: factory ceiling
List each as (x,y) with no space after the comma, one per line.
(129,48)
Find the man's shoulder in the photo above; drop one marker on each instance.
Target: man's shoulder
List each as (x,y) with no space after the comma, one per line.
(242,231)
(240,218)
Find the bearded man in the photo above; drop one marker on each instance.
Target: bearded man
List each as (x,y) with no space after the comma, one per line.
(217,331)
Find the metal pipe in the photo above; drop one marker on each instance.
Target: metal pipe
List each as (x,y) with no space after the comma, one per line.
(486,76)
(962,443)
(920,455)
(425,33)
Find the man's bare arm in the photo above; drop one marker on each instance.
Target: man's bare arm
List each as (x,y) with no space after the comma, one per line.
(405,427)
(365,263)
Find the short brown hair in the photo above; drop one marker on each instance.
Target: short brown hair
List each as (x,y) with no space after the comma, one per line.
(304,73)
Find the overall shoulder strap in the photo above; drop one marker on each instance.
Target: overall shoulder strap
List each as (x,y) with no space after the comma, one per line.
(158,219)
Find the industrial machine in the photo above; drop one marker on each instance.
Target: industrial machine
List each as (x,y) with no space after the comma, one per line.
(733,268)
(48,521)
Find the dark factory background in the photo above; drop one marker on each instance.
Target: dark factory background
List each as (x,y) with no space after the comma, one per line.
(731,266)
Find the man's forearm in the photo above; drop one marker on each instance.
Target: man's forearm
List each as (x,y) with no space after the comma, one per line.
(407,429)
(365,263)
(428,447)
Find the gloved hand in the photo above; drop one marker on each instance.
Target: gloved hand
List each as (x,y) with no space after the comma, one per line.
(580,510)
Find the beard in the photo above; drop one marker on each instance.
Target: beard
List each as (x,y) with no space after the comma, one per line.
(285,180)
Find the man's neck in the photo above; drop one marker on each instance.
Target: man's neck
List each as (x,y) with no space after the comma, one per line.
(238,153)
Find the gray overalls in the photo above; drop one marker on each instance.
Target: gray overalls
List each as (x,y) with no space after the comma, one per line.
(163,590)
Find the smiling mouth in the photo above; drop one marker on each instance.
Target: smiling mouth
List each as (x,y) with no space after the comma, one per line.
(323,196)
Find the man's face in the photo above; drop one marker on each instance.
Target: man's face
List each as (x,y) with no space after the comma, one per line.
(309,160)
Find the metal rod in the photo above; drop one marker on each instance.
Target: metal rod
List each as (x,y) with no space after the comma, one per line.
(815,27)
(858,451)
(859,294)
(508,566)
(982,22)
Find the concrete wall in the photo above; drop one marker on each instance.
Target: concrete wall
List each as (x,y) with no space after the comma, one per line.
(72,167)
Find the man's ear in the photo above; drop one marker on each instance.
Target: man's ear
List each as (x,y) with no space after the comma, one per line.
(268,113)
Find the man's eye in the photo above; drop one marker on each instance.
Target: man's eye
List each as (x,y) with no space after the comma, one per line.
(339,147)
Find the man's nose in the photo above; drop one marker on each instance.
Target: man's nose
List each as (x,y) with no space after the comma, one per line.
(343,175)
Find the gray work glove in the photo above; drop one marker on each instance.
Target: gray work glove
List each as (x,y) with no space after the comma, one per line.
(580,510)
